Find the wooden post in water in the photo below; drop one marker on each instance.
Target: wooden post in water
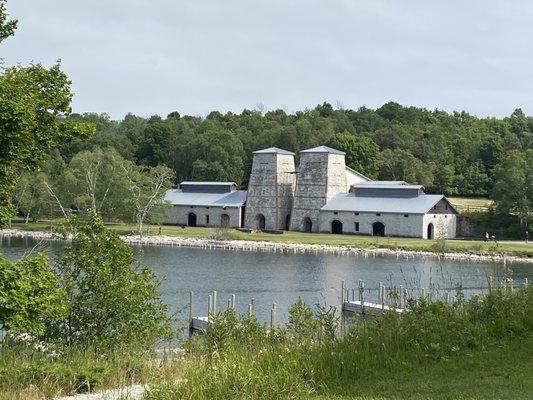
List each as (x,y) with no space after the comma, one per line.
(342,293)
(191,298)
(401,297)
(214,309)
(209,303)
(273,316)
(423,293)
(362,295)
(250,310)
(253,306)
(491,284)
(382,295)
(405,296)
(447,298)
(526,282)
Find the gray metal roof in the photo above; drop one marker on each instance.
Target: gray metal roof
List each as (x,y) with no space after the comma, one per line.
(208,183)
(413,205)
(230,199)
(323,149)
(385,185)
(274,150)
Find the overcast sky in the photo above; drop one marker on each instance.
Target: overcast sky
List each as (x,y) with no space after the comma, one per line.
(157,56)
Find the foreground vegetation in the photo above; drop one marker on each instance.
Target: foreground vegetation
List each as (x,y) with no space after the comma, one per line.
(431,352)
(518,248)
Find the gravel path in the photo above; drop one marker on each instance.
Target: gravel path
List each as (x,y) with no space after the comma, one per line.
(134,392)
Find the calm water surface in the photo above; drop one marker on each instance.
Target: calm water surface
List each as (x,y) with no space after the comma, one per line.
(282,278)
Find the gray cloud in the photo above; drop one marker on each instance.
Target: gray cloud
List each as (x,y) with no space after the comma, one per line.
(158,56)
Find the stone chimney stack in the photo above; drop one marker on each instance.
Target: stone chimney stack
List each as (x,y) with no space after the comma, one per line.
(321,176)
(270,190)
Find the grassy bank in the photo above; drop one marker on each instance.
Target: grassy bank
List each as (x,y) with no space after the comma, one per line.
(478,349)
(476,246)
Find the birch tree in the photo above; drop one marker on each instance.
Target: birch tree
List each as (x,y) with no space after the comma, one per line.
(147,187)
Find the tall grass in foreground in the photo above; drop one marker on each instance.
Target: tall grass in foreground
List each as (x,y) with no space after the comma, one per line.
(240,359)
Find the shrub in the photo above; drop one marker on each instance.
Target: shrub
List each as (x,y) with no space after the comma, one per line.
(111,303)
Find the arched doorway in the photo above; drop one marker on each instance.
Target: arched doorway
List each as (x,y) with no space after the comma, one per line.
(430,231)
(336,226)
(224,221)
(287,222)
(378,229)
(307,224)
(191,219)
(260,221)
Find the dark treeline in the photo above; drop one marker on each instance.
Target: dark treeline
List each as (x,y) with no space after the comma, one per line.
(455,154)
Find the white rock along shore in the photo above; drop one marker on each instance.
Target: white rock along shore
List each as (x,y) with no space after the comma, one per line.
(277,247)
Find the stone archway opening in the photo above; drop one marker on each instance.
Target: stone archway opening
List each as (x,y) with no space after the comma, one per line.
(430,232)
(287,222)
(336,226)
(191,219)
(378,229)
(224,221)
(260,222)
(307,225)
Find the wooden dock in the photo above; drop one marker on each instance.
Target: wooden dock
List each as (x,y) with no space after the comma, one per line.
(367,308)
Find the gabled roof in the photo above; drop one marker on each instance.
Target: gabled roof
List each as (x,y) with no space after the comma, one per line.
(228,199)
(323,149)
(274,150)
(353,171)
(412,205)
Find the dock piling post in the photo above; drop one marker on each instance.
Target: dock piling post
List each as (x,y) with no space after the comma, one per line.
(423,293)
(362,295)
(382,295)
(214,309)
(526,282)
(273,316)
(491,283)
(342,293)
(250,310)
(191,298)
(233,302)
(253,306)
(209,303)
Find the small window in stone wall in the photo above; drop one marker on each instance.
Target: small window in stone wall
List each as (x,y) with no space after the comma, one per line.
(378,214)
(192,206)
(335,213)
(207,208)
(357,226)
(445,216)
(446,207)
(356,213)
(207,219)
(406,215)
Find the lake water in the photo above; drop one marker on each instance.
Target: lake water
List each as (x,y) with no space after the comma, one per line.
(282,278)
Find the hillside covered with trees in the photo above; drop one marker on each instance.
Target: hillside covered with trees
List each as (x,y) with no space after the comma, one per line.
(456,154)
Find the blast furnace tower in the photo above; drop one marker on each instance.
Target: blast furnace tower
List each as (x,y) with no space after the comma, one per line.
(321,176)
(270,190)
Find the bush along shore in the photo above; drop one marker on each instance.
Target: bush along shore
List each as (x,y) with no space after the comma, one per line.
(284,247)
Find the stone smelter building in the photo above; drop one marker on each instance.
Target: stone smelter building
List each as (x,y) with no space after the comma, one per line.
(206,204)
(322,195)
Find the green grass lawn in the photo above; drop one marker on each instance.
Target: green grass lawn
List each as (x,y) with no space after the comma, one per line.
(504,372)
(516,247)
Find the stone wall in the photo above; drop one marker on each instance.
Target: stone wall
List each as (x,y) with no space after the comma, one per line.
(321,176)
(270,190)
(444,225)
(179,215)
(395,224)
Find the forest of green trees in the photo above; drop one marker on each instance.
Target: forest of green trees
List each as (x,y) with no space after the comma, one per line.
(454,154)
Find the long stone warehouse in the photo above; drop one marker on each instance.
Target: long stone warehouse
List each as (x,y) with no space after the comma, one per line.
(322,195)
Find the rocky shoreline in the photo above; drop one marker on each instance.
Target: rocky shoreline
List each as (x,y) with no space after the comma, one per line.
(277,247)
